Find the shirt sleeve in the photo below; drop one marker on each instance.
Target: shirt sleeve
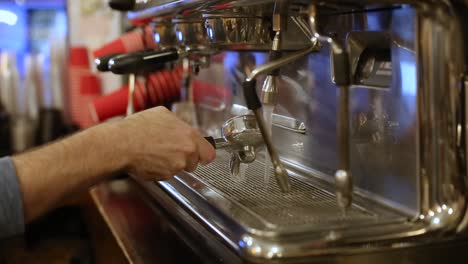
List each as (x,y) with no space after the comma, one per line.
(11,203)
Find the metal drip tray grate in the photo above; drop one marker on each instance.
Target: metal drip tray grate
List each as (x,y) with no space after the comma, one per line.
(261,197)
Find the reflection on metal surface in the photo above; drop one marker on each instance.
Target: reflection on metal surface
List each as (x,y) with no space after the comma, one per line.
(289,123)
(281,121)
(261,211)
(407,139)
(304,205)
(370,59)
(340,75)
(281,174)
(164,33)
(238,31)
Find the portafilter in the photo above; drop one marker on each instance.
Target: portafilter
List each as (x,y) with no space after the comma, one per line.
(242,138)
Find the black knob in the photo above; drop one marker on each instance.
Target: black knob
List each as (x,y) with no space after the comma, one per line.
(102,63)
(122,5)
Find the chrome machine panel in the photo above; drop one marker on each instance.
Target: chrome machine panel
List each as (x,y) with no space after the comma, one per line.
(407,146)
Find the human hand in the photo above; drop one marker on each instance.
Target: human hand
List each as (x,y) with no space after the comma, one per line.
(157,145)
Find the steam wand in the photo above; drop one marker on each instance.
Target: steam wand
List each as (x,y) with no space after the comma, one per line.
(254,104)
(270,92)
(270,85)
(341,77)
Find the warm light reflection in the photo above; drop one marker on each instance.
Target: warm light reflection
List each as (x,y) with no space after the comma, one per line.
(444,207)
(257,250)
(439,210)
(8,17)
(421,217)
(273,252)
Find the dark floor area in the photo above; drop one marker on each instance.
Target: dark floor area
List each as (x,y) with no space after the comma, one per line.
(69,235)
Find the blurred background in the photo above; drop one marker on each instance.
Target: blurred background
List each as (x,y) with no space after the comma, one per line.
(46,85)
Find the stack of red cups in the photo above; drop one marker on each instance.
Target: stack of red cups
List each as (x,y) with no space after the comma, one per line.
(161,88)
(78,68)
(90,89)
(135,40)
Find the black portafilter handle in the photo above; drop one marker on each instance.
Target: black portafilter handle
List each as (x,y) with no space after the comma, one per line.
(142,61)
(212,141)
(102,63)
(218,143)
(122,5)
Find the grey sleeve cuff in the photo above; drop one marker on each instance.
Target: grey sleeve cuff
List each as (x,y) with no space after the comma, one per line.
(11,202)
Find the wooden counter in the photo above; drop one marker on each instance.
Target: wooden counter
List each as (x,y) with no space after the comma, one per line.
(144,233)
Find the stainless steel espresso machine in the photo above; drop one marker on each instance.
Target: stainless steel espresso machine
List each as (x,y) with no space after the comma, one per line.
(361,110)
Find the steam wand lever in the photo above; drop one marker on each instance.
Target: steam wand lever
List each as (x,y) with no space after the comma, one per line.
(254,104)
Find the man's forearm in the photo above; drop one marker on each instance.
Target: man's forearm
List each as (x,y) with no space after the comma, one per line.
(46,175)
(152,145)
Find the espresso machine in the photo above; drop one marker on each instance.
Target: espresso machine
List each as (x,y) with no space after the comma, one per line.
(360,107)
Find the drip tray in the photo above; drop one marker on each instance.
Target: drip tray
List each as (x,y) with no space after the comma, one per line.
(257,202)
(259,222)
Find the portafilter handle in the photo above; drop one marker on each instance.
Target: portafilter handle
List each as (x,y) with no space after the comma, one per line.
(217,143)
(102,63)
(122,5)
(142,61)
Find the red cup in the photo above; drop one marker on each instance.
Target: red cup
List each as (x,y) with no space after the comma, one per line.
(150,43)
(159,92)
(115,103)
(128,42)
(166,84)
(153,96)
(155,88)
(140,96)
(203,90)
(78,57)
(169,84)
(167,91)
(177,77)
(89,88)
(90,84)
(77,106)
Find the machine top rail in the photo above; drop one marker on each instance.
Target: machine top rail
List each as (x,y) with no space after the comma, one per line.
(169,8)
